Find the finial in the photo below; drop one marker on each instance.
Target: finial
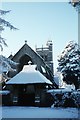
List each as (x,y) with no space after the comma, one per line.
(11,53)
(29,62)
(35,47)
(25,41)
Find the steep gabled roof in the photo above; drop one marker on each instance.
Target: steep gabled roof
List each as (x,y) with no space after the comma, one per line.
(28,48)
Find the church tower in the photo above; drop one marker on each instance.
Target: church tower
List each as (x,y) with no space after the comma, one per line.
(47,54)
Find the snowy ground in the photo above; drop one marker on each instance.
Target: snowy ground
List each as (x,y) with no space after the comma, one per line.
(35,112)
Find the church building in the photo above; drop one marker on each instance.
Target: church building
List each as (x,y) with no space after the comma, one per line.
(28,85)
(42,57)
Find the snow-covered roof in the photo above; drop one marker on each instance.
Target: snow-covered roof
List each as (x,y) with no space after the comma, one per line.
(29,76)
(5,92)
(29,68)
(61,90)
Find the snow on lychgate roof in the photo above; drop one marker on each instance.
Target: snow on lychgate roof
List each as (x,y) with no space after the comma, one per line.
(29,68)
(29,76)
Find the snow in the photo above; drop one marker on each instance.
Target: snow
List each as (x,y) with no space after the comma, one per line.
(43,69)
(4,67)
(29,68)
(69,60)
(61,90)
(0,77)
(5,92)
(28,76)
(6,64)
(35,112)
(58,79)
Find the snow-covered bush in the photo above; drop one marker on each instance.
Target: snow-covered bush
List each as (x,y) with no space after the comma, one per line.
(76,96)
(69,99)
(69,64)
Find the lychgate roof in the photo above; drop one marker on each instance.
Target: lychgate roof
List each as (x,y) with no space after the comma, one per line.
(29,75)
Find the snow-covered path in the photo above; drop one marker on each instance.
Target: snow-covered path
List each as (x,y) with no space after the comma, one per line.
(35,112)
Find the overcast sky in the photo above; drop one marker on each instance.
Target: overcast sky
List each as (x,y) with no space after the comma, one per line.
(39,22)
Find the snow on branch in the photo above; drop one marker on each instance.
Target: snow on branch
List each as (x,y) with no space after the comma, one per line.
(2,41)
(7,24)
(2,12)
(6,64)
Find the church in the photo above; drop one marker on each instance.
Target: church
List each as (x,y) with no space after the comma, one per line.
(42,57)
(34,75)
